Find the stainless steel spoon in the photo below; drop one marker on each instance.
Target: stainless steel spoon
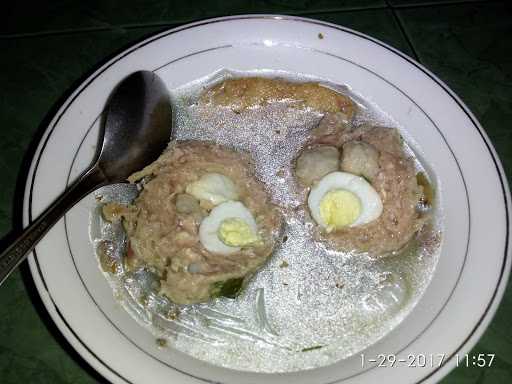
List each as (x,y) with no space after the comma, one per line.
(136,128)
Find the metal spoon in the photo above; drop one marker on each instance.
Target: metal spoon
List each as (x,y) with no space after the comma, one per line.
(137,124)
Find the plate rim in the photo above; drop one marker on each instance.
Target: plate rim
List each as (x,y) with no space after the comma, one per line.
(85,80)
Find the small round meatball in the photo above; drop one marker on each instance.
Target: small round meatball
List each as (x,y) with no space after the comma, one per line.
(314,163)
(361,159)
(187,204)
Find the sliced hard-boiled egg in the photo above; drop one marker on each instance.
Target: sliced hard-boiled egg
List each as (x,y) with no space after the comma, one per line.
(229,227)
(214,188)
(342,199)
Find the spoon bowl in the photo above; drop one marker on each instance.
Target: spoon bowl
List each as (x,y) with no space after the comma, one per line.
(136,128)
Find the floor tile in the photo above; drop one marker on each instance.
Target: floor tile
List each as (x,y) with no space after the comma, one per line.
(415,3)
(64,15)
(468,47)
(29,350)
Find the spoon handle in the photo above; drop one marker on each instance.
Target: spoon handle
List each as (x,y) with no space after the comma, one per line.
(19,249)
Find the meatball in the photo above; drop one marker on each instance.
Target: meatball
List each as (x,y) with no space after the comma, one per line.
(314,163)
(248,92)
(361,159)
(186,203)
(376,153)
(164,221)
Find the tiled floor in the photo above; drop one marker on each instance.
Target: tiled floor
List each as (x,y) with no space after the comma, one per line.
(46,49)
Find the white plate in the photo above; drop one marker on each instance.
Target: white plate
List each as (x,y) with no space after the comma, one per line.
(475,257)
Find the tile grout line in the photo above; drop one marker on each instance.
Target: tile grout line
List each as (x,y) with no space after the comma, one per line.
(430,4)
(403,31)
(175,23)
(77,31)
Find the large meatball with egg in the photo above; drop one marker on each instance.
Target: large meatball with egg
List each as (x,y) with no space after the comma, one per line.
(202,221)
(370,202)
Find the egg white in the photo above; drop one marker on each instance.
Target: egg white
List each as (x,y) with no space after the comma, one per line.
(371,203)
(209,228)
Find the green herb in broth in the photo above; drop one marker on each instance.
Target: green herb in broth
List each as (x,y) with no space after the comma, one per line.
(312,348)
(227,288)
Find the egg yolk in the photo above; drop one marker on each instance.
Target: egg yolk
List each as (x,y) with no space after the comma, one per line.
(339,208)
(236,232)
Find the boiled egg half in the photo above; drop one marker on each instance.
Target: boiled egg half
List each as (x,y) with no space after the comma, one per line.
(229,227)
(341,199)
